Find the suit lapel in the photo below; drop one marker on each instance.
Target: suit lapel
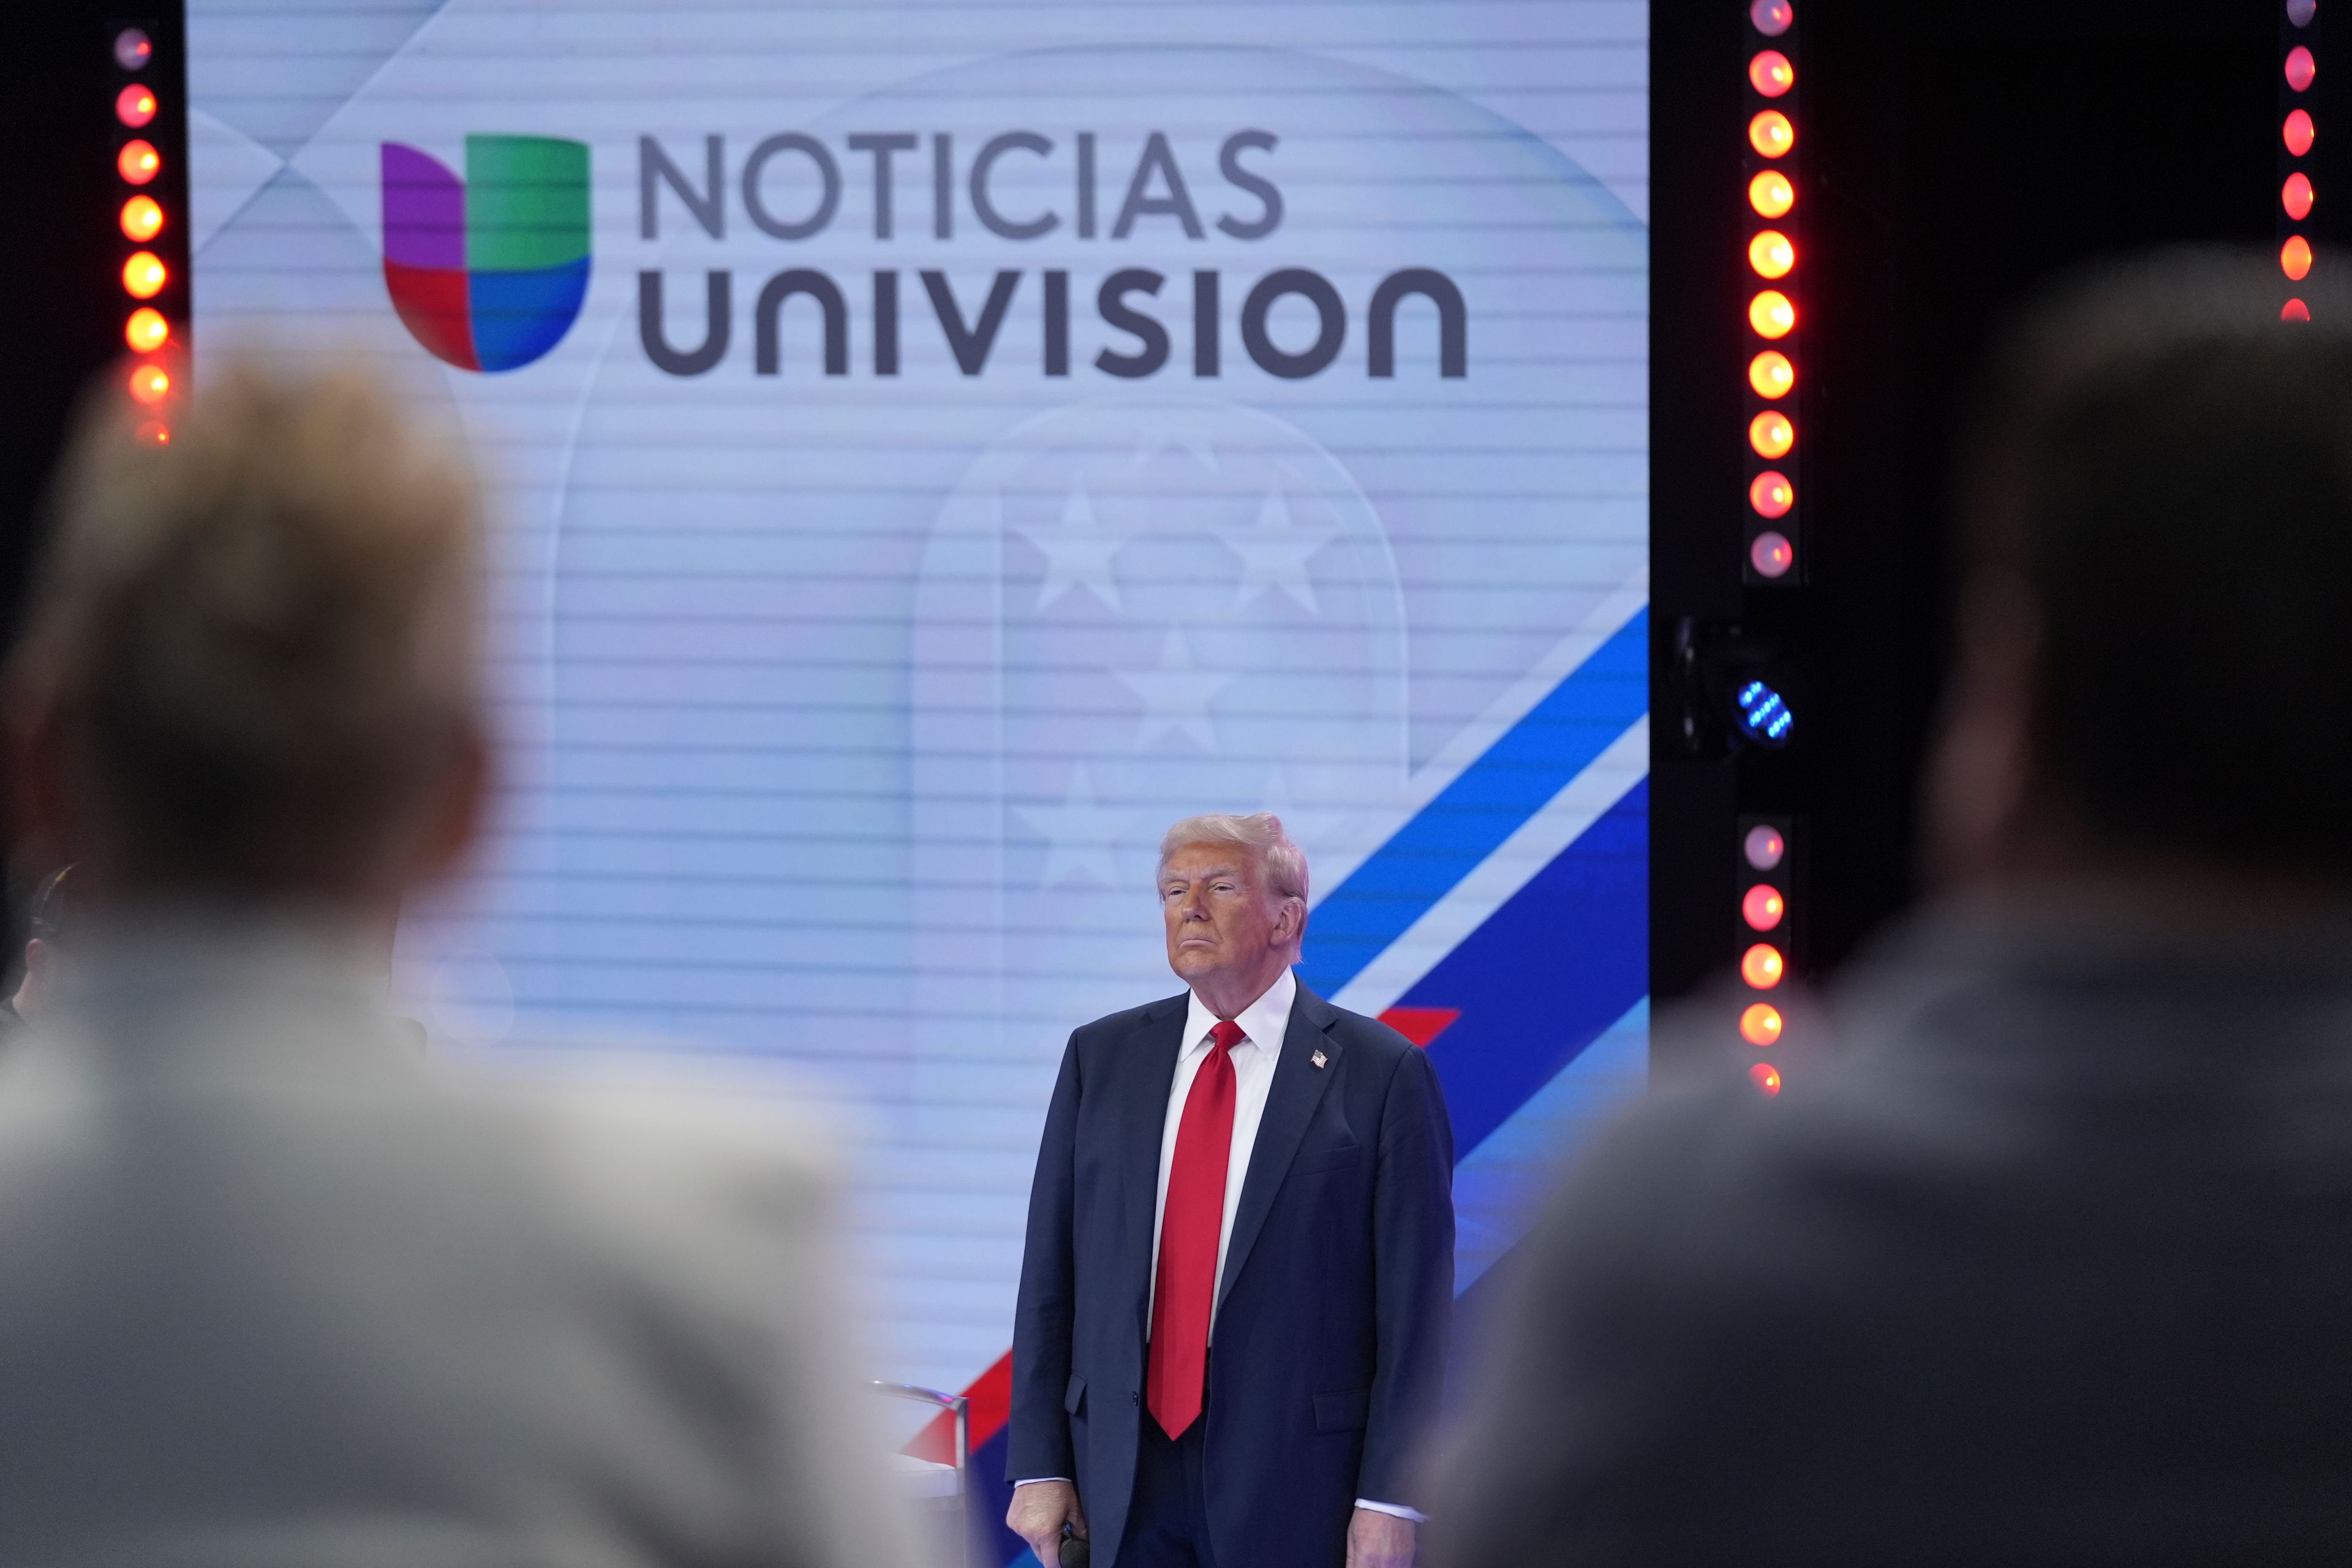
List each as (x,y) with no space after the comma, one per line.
(1290,1100)
(1151,1073)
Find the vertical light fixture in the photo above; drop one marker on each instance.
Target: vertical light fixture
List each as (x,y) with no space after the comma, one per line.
(1765,894)
(1773,499)
(2298,69)
(1770,535)
(153,292)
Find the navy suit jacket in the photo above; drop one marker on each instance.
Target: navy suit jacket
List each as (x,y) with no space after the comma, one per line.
(1330,1342)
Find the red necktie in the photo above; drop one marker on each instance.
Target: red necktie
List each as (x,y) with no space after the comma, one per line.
(1187,1286)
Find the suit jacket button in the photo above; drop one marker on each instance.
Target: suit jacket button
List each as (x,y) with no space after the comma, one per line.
(1134,1398)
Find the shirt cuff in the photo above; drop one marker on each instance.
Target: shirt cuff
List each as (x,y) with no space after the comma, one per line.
(1397,1508)
(1033,1481)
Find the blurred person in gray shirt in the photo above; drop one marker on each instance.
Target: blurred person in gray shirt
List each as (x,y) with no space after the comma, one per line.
(276,1289)
(2054,1266)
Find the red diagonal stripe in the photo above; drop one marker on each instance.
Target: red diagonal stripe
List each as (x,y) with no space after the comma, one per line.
(1421,1025)
(991,1407)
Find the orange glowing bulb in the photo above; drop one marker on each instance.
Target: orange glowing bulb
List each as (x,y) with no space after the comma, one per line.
(1763,907)
(1771,134)
(1771,555)
(1760,1025)
(2300,67)
(2299,133)
(1767,1077)
(147,331)
(1771,253)
(142,219)
(1772,374)
(149,383)
(139,162)
(134,105)
(143,276)
(1770,73)
(2296,196)
(2294,258)
(2294,310)
(1771,494)
(1771,434)
(1761,966)
(154,433)
(1771,194)
(1771,314)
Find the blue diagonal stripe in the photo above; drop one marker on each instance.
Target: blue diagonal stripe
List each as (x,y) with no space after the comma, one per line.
(1510,782)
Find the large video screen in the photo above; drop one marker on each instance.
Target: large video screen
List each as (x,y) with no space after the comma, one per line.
(936,446)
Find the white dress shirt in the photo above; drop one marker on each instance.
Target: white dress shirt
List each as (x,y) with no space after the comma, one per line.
(1264,1023)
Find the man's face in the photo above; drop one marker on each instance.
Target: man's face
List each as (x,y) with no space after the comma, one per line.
(1222,918)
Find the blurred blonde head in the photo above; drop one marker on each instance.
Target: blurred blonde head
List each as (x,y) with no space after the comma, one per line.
(252,656)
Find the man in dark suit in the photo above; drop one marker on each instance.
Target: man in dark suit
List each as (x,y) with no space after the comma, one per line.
(2055,1265)
(1240,1263)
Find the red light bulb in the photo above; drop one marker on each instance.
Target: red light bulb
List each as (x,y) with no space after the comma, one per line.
(138,162)
(146,331)
(2294,258)
(143,276)
(1771,134)
(1761,966)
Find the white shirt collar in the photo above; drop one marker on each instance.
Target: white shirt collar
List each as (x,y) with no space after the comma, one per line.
(1264,1020)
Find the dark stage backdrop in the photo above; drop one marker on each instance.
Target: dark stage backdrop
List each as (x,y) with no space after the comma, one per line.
(1956,157)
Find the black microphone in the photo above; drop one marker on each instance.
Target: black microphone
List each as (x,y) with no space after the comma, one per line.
(1075,1552)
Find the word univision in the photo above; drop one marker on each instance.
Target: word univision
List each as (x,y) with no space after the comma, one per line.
(1156,189)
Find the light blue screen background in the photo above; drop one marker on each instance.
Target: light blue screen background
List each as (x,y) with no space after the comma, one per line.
(844,713)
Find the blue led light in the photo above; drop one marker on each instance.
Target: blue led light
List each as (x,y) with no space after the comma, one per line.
(1764,714)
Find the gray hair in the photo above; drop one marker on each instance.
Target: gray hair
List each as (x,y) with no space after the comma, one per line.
(260,642)
(1284,862)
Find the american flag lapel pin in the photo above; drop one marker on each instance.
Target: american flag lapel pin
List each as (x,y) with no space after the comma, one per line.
(1319,1059)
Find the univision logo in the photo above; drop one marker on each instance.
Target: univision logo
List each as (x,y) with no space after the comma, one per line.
(487,272)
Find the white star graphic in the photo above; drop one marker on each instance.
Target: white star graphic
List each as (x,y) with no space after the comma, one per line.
(1175,696)
(1078,834)
(1078,553)
(1275,554)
